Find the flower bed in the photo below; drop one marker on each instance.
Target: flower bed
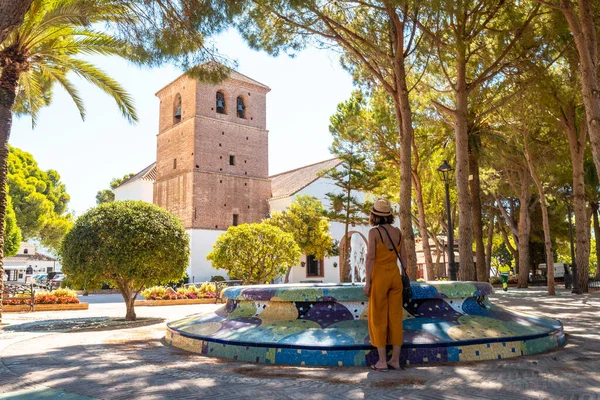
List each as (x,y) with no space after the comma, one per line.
(176,302)
(159,295)
(45,307)
(58,297)
(206,291)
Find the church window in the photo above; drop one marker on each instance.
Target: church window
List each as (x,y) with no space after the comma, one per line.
(314,267)
(241,108)
(220,102)
(177,109)
(235,219)
(25,251)
(174,163)
(29,271)
(231,160)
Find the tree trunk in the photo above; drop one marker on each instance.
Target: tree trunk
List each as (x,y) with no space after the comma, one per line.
(130,316)
(597,236)
(440,268)
(582,233)
(514,252)
(513,229)
(287,275)
(8,86)
(429,271)
(577,144)
(488,248)
(480,265)
(465,225)
(545,220)
(345,259)
(126,289)
(524,228)
(11,15)
(404,117)
(583,30)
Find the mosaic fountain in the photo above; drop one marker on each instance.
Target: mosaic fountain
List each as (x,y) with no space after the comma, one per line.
(326,325)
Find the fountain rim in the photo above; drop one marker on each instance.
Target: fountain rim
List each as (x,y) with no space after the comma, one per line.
(303,292)
(555,332)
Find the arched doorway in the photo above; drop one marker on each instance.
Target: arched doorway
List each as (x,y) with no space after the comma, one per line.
(346,270)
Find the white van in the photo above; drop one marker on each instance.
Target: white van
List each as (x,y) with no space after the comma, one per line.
(560,269)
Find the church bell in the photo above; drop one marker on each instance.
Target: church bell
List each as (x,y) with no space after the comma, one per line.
(220,104)
(178,112)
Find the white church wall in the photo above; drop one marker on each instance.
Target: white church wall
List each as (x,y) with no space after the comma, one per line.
(201,243)
(140,189)
(319,189)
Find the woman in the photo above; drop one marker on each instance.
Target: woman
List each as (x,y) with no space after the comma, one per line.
(383,285)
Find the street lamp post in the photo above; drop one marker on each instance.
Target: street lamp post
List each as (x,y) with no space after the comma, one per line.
(576,289)
(445,171)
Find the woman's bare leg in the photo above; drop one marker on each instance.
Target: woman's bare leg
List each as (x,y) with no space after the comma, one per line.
(395,360)
(381,363)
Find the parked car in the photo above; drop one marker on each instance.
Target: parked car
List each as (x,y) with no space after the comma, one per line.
(55,282)
(54,274)
(41,279)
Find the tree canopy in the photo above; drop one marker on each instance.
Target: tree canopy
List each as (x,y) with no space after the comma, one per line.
(39,199)
(108,195)
(131,244)
(255,253)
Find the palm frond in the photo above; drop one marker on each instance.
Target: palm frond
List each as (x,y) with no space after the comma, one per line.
(111,87)
(60,77)
(84,42)
(34,93)
(53,33)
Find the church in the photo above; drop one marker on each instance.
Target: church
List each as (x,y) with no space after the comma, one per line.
(212,170)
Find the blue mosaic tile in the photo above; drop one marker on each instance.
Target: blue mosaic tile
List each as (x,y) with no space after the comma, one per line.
(327,325)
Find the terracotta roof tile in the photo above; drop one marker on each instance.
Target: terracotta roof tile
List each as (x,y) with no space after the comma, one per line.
(29,257)
(291,182)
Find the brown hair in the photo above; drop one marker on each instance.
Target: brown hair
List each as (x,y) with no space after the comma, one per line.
(376,220)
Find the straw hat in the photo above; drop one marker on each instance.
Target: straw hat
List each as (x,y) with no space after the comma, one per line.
(382,208)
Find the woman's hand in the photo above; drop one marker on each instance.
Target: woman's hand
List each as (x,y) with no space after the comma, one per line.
(367,289)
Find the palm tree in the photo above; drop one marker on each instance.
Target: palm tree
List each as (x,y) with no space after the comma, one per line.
(41,53)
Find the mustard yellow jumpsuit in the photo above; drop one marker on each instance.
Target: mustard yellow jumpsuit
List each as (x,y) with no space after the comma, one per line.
(385,299)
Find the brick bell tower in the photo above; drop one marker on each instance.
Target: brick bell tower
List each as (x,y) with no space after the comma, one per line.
(212,157)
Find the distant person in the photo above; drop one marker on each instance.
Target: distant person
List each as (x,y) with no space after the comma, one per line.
(383,285)
(504,272)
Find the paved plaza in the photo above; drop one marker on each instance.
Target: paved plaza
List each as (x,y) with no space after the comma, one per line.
(136,363)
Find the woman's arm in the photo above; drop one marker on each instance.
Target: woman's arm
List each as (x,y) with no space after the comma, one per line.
(371,248)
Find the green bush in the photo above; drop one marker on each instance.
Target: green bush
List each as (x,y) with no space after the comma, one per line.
(495,280)
(207,290)
(131,244)
(155,291)
(217,278)
(64,292)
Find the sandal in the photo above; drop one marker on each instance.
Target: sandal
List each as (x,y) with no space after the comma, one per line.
(374,368)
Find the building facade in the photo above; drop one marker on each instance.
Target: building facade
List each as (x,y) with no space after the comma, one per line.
(212,169)
(28,262)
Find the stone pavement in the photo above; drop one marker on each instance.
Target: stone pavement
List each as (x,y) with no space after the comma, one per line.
(136,363)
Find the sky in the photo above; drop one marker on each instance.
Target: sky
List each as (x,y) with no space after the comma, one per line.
(305,91)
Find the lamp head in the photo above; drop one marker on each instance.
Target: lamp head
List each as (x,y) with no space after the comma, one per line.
(445,171)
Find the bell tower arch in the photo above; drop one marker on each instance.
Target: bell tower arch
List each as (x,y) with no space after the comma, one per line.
(212,152)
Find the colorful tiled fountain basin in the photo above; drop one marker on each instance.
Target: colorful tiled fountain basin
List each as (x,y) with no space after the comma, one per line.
(326,324)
